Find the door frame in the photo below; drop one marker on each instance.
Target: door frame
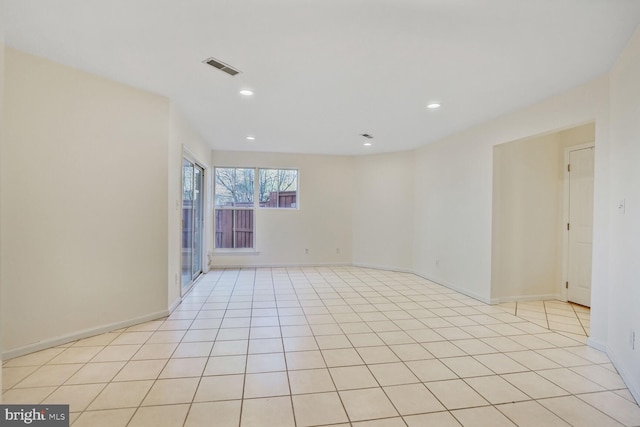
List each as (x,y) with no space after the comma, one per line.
(565,217)
(206,215)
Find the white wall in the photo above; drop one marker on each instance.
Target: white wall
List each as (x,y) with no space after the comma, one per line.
(84,203)
(624,277)
(182,136)
(528,215)
(322,224)
(454,182)
(383,211)
(1,150)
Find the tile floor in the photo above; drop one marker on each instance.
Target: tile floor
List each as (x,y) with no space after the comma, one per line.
(339,346)
(567,318)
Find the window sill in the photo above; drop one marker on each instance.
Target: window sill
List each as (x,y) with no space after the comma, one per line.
(235,252)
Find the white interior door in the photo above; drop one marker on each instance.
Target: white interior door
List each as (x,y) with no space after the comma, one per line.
(580,227)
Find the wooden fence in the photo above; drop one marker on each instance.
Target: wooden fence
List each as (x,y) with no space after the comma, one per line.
(227,232)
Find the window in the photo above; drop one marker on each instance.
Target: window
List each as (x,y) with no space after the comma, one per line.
(278,188)
(234,207)
(235,193)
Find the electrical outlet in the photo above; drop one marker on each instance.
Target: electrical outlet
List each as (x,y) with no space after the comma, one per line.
(632,340)
(306,251)
(337,250)
(437,262)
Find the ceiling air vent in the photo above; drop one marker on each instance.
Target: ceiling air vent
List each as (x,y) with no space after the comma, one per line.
(366,135)
(221,66)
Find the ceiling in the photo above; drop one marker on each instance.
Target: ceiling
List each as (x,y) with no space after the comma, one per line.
(325,71)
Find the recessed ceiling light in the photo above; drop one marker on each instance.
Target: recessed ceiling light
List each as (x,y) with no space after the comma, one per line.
(367,144)
(246,92)
(433,106)
(251,138)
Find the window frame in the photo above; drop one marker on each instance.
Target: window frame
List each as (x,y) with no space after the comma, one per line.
(255,207)
(233,209)
(297,196)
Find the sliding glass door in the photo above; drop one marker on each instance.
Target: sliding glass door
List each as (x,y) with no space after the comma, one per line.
(192,222)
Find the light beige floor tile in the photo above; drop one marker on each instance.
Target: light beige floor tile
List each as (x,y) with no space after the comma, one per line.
(299,344)
(578,413)
(443,349)
(385,422)
(101,372)
(34,359)
(500,364)
(132,338)
(225,414)
(12,376)
(439,419)
(195,335)
(466,366)
(105,418)
(225,365)
(486,416)
(222,387)
(155,351)
(310,381)
(160,416)
(97,340)
(233,334)
(602,376)
(269,412)
(268,345)
(396,337)
(534,385)
(326,342)
(146,326)
(408,352)
(265,332)
(166,337)
(377,354)
(49,375)
(618,408)
(171,391)
(496,390)
(182,368)
(413,399)
(318,408)
(431,370)
(474,346)
(27,395)
(305,360)
(570,381)
(76,355)
(266,385)
(352,377)
(531,414)
(230,348)
(141,370)
(365,340)
(78,397)
(389,374)
(367,404)
(121,395)
(193,349)
(455,394)
(532,360)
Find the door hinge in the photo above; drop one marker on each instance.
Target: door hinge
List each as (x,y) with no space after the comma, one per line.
(569,168)
(566,285)
(568,227)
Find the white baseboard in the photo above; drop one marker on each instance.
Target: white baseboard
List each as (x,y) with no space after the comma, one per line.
(597,344)
(633,386)
(63,339)
(174,305)
(455,288)
(314,264)
(541,297)
(383,267)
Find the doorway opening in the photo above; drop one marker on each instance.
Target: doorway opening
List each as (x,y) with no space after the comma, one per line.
(530,240)
(192,223)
